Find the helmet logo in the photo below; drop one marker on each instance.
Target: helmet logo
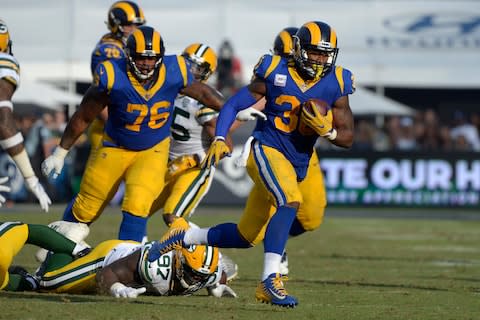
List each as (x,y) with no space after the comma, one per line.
(325,44)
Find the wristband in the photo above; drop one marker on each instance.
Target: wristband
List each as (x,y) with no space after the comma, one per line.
(7,104)
(14,140)
(60,152)
(23,164)
(332,135)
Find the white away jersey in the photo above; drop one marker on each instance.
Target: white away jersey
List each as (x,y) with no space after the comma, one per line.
(187,132)
(156,275)
(119,251)
(9,69)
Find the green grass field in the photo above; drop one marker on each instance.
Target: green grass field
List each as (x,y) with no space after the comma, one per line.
(350,268)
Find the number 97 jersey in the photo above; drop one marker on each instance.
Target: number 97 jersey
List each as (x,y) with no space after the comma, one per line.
(156,275)
(286,91)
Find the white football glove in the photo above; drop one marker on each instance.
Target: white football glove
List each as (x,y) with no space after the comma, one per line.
(3,188)
(250,114)
(119,290)
(37,189)
(54,162)
(221,290)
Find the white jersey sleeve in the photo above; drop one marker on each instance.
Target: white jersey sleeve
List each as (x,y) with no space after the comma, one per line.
(9,69)
(156,275)
(188,136)
(119,251)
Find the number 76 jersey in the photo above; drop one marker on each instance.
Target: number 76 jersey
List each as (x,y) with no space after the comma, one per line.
(138,116)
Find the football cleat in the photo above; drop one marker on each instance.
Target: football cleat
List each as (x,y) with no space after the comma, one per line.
(284,264)
(229,267)
(30,279)
(271,290)
(172,240)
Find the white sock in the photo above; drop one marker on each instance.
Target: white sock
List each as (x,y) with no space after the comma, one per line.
(271,264)
(196,236)
(193,225)
(79,247)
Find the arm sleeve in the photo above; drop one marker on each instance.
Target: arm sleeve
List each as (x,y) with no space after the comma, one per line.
(241,100)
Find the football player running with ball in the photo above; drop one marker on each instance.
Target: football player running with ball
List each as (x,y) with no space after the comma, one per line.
(281,150)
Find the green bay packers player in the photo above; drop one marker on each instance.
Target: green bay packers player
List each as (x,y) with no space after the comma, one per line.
(139,93)
(11,140)
(14,235)
(280,159)
(121,268)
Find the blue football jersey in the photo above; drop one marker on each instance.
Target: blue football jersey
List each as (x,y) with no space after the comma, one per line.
(139,117)
(107,48)
(286,92)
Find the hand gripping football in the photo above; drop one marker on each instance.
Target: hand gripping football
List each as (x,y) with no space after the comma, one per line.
(318,104)
(308,106)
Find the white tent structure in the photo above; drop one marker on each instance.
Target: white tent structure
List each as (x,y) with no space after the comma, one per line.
(44,95)
(364,102)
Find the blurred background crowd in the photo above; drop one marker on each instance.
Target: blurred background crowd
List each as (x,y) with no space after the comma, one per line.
(426,130)
(421,54)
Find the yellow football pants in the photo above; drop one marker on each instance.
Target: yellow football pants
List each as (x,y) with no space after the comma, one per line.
(275,184)
(13,236)
(143,173)
(182,195)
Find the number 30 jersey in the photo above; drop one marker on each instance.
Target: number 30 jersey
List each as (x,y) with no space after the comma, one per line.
(188,136)
(139,117)
(285,93)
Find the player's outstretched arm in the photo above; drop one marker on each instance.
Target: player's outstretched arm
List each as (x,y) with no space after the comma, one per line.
(205,94)
(116,278)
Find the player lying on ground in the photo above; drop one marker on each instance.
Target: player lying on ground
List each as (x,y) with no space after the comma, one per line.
(117,267)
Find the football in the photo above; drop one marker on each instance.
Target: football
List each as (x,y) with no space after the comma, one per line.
(308,105)
(320,105)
